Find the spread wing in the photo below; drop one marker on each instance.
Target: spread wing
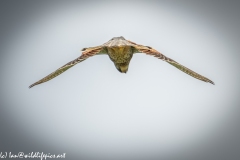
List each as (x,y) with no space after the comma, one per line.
(155,53)
(87,52)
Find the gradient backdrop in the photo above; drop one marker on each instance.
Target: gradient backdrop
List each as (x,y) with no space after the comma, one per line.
(93,112)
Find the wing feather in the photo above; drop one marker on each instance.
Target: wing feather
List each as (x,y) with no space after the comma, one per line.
(155,53)
(87,52)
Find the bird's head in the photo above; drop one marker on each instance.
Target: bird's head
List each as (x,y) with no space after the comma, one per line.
(122,67)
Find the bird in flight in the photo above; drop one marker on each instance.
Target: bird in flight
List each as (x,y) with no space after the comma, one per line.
(120,51)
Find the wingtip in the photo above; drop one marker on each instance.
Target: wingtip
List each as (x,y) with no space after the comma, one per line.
(31,86)
(212,82)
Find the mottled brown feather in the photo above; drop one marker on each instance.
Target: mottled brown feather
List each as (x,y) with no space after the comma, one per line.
(150,51)
(120,51)
(87,52)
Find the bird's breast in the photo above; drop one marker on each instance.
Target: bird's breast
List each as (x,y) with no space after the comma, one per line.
(120,54)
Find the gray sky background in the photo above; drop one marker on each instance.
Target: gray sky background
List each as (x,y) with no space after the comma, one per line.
(94,112)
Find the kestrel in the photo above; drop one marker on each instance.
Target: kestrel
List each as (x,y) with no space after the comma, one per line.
(120,51)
